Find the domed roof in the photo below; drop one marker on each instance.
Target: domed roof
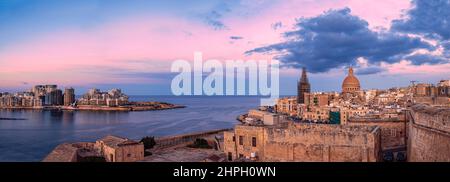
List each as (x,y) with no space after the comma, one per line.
(350,82)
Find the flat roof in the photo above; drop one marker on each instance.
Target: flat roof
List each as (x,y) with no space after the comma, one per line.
(115,141)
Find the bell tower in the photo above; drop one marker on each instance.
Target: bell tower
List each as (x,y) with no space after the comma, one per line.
(303,87)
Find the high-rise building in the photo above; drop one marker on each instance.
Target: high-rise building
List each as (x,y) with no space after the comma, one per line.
(58,97)
(69,96)
(53,98)
(303,87)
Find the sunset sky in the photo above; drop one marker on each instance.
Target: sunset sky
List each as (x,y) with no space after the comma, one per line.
(132,44)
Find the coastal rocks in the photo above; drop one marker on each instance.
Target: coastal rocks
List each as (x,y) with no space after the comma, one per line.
(148,106)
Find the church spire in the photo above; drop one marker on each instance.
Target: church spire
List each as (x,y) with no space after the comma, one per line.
(303,87)
(304,78)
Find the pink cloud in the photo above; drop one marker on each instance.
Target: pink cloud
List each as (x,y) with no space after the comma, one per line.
(406,68)
(151,43)
(134,45)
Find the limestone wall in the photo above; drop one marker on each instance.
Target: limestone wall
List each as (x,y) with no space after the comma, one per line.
(62,153)
(306,142)
(443,101)
(185,138)
(130,153)
(393,132)
(322,143)
(432,117)
(429,134)
(68,152)
(229,144)
(247,133)
(109,153)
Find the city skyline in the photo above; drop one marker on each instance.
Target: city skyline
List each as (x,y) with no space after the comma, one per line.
(110,44)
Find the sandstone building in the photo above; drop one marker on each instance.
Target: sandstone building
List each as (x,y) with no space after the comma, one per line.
(69,96)
(302,142)
(287,105)
(117,149)
(112,98)
(348,112)
(317,99)
(432,95)
(315,113)
(109,149)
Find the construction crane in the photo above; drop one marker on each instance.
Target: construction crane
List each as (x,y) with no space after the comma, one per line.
(74,104)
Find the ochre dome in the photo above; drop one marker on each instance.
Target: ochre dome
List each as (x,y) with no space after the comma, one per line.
(350,83)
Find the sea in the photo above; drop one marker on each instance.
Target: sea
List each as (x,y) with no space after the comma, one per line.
(37,132)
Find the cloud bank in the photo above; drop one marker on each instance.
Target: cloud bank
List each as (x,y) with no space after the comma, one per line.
(338,39)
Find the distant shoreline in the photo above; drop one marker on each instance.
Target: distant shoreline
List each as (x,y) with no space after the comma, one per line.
(13,119)
(134,106)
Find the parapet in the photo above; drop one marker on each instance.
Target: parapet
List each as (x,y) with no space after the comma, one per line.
(431,110)
(335,129)
(67,152)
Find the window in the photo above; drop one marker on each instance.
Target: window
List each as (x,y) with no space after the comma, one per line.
(241,156)
(230,156)
(241,140)
(128,155)
(234,138)
(254,141)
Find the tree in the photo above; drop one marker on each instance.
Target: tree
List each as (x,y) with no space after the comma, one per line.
(200,143)
(149,142)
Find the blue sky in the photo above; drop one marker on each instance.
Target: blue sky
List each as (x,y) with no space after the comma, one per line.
(131,44)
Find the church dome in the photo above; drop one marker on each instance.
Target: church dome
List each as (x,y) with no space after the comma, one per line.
(350,83)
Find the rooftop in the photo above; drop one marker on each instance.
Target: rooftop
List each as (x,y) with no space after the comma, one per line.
(65,152)
(431,110)
(115,141)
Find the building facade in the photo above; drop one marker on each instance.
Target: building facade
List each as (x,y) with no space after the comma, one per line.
(38,96)
(117,149)
(287,105)
(315,113)
(317,99)
(69,96)
(112,98)
(348,112)
(433,95)
(429,133)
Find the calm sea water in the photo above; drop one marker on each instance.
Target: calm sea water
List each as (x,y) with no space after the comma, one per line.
(32,139)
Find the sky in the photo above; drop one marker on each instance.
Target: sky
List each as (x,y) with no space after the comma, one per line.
(132,44)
